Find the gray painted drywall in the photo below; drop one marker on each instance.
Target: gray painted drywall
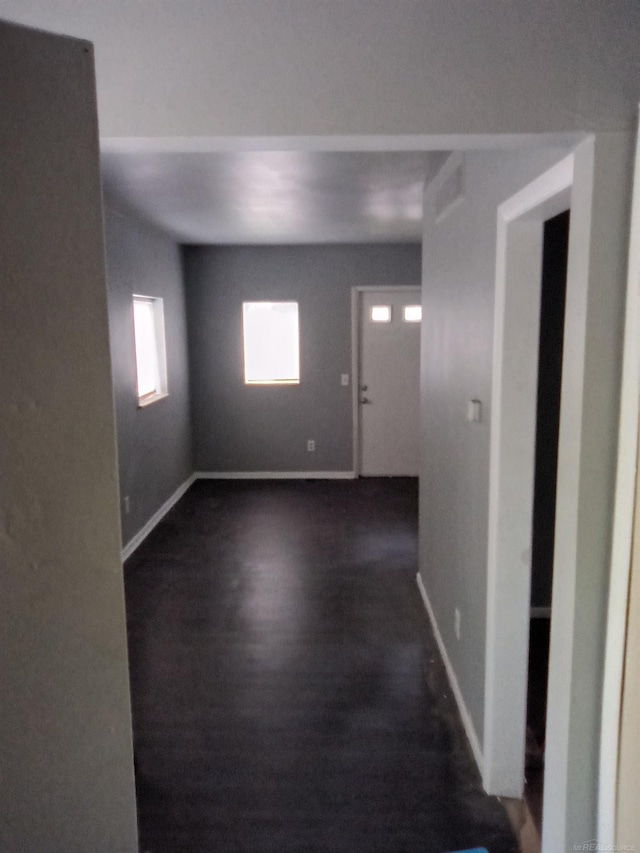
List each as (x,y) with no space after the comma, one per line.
(458,282)
(65,737)
(459,255)
(154,442)
(255,428)
(283,67)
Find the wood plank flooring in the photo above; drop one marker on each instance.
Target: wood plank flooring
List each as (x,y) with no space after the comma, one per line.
(287,692)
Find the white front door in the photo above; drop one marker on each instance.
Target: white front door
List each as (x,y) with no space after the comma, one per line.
(389,382)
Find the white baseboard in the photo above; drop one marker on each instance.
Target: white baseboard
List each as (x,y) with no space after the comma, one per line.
(142,534)
(275,475)
(540,613)
(453,681)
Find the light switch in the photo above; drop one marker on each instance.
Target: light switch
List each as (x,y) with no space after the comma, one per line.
(474,411)
(344,378)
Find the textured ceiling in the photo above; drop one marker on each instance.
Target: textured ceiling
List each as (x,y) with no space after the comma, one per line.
(274,196)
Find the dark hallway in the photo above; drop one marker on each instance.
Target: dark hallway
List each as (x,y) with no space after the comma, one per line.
(287,692)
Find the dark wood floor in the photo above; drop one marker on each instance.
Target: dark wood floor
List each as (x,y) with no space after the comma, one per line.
(287,692)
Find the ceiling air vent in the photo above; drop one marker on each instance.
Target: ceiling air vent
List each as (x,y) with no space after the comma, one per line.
(451,190)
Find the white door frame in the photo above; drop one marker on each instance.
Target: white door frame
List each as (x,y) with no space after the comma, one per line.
(512,461)
(622,534)
(355,359)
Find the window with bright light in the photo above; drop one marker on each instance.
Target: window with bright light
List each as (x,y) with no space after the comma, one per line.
(381,313)
(271,343)
(151,366)
(412,313)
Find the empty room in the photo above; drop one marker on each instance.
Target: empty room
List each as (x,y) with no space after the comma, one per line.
(320,420)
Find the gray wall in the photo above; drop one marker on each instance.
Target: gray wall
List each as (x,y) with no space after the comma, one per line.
(458,283)
(283,67)
(242,428)
(154,442)
(457,350)
(65,738)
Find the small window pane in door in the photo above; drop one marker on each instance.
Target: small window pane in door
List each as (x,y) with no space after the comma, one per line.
(381,313)
(412,313)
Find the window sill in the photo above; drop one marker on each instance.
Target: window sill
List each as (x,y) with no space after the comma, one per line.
(152,398)
(271,381)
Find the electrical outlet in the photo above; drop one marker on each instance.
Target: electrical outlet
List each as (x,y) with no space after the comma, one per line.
(311,445)
(127,505)
(344,378)
(456,623)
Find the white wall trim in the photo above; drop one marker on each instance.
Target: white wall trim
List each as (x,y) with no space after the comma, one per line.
(553,181)
(402,288)
(622,535)
(275,475)
(342,142)
(467,722)
(156,518)
(511,470)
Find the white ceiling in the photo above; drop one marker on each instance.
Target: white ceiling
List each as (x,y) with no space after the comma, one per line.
(244,197)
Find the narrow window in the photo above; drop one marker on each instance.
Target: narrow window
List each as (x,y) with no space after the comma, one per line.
(412,313)
(151,365)
(271,343)
(381,313)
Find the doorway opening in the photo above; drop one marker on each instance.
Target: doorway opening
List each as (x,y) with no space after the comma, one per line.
(519,262)
(555,250)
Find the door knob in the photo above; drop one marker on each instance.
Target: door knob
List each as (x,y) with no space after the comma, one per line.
(364,387)
(365,400)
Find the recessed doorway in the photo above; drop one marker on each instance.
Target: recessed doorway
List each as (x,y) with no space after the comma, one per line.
(386,398)
(555,249)
(520,243)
